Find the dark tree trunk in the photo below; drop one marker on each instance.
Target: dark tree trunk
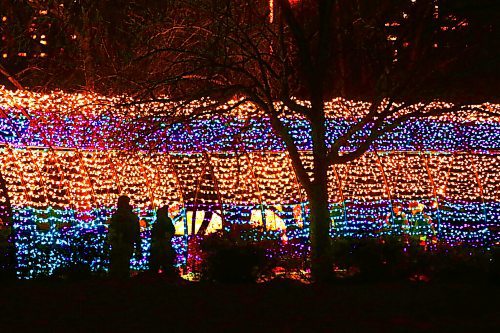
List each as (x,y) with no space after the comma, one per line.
(341,58)
(321,259)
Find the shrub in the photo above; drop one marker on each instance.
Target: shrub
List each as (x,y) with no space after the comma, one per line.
(460,264)
(389,258)
(232,260)
(494,271)
(73,272)
(375,258)
(7,254)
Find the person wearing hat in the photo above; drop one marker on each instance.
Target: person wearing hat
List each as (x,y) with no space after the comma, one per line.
(125,237)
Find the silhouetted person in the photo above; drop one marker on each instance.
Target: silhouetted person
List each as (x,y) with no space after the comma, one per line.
(124,236)
(162,251)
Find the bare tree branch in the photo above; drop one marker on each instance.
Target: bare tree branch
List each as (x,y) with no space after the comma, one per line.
(11,78)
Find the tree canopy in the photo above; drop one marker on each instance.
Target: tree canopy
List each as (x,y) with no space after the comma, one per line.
(449,47)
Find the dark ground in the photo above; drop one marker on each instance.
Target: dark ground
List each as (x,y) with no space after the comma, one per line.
(140,304)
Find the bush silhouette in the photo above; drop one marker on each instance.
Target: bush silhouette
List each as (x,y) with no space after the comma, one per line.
(232,261)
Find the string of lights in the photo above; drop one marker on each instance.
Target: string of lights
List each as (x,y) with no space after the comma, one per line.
(66,163)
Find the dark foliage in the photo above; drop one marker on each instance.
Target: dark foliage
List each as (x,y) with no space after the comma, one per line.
(73,272)
(495,265)
(7,254)
(460,264)
(232,261)
(374,258)
(400,258)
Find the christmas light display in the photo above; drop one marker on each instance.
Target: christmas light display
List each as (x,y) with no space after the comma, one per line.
(65,158)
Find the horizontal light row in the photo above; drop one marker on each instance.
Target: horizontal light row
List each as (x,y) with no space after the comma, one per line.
(47,243)
(218,135)
(84,180)
(89,121)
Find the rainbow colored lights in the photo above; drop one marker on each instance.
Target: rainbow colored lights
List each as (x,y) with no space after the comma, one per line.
(65,158)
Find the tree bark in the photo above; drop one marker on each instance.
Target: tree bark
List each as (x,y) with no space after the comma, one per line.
(321,258)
